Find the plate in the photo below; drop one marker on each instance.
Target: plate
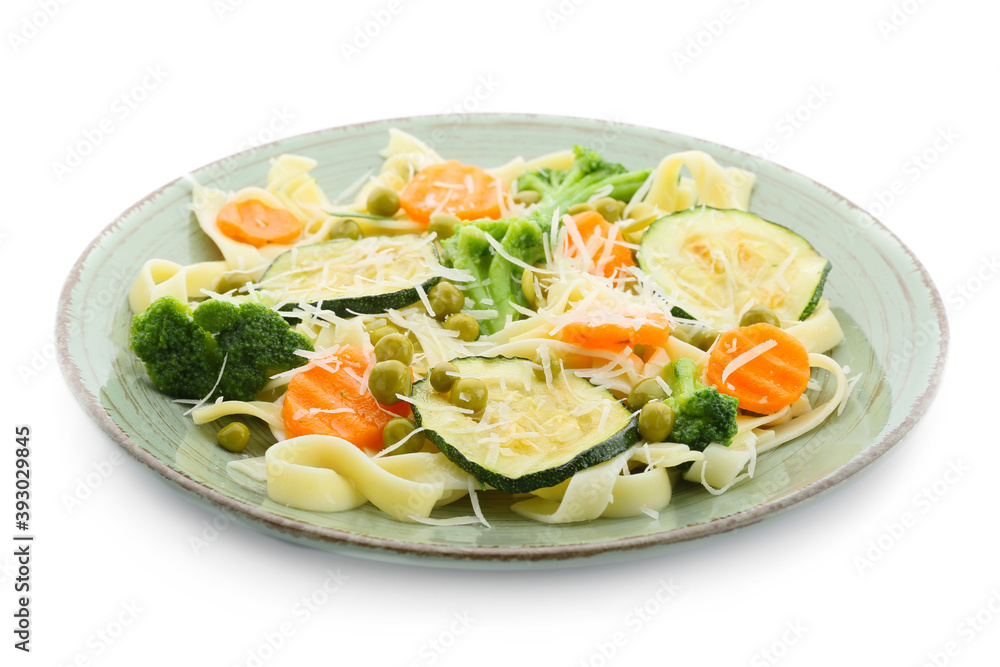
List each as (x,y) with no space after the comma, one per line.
(890,310)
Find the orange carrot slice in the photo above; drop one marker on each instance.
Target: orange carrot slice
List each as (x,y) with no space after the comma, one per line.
(602,243)
(332,403)
(652,330)
(763,366)
(255,223)
(463,190)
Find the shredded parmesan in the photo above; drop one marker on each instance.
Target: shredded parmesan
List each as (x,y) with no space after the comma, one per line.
(746,358)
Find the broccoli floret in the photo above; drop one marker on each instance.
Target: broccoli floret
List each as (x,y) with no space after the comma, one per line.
(181,358)
(496,280)
(701,414)
(589,173)
(258,345)
(216,316)
(184,350)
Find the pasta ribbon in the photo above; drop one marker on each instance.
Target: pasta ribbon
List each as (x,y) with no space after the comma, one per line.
(587,496)
(322,473)
(710,184)
(268,412)
(160,277)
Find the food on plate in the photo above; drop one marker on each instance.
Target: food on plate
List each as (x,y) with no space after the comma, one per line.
(570,336)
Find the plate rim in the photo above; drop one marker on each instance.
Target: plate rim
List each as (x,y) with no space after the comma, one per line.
(334,538)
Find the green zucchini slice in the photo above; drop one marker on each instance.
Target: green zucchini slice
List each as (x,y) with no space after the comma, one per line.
(712,262)
(365,276)
(529,436)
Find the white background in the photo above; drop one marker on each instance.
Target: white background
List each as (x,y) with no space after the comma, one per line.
(855,586)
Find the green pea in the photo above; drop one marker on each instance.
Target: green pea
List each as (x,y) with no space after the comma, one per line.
(759,315)
(346,229)
(527,197)
(555,366)
(656,421)
(445,299)
(383,331)
(443,224)
(580,208)
(610,209)
(469,394)
(383,201)
(704,337)
(235,437)
(644,392)
(398,429)
(389,378)
(466,326)
(394,346)
(443,376)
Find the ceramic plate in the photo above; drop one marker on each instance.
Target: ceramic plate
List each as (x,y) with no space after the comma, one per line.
(891,312)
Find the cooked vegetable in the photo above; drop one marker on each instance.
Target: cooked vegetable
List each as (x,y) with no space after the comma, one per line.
(445,299)
(380,333)
(610,209)
(528,436)
(701,414)
(652,329)
(759,314)
(255,223)
(443,376)
(185,359)
(346,229)
(602,245)
(367,276)
(527,198)
(398,429)
(656,421)
(763,366)
(712,262)
(496,279)
(336,403)
(389,380)
(383,201)
(588,175)
(644,392)
(469,394)
(464,190)
(235,437)
(394,346)
(443,224)
(466,326)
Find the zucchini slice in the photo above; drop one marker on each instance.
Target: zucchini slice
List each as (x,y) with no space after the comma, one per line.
(713,262)
(366,276)
(529,436)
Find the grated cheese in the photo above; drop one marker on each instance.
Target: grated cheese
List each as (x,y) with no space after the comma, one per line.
(746,358)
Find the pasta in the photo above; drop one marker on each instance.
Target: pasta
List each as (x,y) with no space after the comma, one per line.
(553,350)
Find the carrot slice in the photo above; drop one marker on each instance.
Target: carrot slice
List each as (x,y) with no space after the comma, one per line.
(602,243)
(325,403)
(463,190)
(253,222)
(772,374)
(652,330)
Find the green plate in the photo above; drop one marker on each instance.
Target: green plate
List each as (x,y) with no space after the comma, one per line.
(891,312)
